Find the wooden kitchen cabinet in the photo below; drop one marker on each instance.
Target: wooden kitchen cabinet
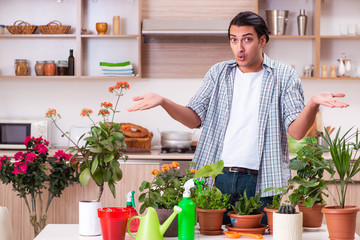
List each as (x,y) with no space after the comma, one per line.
(89,49)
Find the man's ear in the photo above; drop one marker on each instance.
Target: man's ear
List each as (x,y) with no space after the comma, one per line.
(263,40)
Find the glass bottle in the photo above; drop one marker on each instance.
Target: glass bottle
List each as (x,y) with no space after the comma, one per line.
(50,68)
(21,67)
(62,68)
(39,68)
(341,68)
(71,62)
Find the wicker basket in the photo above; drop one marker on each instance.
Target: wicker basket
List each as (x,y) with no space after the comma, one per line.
(139,143)
(54,27)
(21,27)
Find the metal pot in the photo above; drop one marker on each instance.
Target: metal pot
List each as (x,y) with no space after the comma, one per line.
(176,139)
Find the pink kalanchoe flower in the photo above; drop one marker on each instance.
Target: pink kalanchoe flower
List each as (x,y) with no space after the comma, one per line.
(17,164)
(23,168)
(27,140)
(46,142)
(18,155)
(30,157)
(16,171)
(41,148)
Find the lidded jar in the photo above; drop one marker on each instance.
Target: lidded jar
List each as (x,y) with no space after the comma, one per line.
(50,68)
(62,67)
(21,67)
(39,68)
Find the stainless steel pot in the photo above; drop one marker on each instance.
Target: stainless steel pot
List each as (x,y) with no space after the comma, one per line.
(176,139)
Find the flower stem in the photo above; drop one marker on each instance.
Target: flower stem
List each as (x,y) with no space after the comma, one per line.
(116,104)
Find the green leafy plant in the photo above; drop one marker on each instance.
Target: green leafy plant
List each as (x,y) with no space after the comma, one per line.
(31,173)
(310,166)
(103,148)
(212,197)
(277,198)
(342,149)
(248,206)
(165,191)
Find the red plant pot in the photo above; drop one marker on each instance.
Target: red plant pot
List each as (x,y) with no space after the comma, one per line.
(113,222)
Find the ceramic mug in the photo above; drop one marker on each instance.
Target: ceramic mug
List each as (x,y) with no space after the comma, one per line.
(101,28)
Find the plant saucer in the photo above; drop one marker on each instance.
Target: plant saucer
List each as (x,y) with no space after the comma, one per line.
(209,232)
(258,230)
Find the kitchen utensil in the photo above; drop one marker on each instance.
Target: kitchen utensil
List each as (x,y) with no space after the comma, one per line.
(176,139)
(277,21)
(302,22)
(150,228)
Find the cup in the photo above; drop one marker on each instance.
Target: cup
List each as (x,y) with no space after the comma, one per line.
(101,28)
(351,29)
(343,29)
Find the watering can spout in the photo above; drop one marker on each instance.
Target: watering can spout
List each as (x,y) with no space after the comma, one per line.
(168,221)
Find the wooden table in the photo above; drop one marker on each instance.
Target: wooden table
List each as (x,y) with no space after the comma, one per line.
(71,232)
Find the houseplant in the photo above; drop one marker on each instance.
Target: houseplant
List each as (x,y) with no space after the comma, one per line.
(308,185)
(245,214)
(211,205)
(275,204)
(32,174)
(103,148)
(341,218)
(164,192)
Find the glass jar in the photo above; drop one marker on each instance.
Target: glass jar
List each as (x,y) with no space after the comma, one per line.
(62,68)
(50,68)
(21,67)
(39,68)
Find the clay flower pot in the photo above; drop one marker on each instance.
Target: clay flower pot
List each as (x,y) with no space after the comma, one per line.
(269,215)
(163,215)
(210,220)
(101,28)
(341,222)
(245,221)
(312,217)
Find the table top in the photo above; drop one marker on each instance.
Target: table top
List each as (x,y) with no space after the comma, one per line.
(71,232)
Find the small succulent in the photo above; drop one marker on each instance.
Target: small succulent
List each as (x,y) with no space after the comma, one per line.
(287,209)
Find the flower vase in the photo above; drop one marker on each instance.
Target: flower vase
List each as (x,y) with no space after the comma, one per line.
(89,223)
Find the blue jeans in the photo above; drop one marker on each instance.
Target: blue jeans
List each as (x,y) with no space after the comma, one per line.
(234,184)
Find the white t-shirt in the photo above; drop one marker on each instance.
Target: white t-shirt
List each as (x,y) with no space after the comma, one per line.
(241,137)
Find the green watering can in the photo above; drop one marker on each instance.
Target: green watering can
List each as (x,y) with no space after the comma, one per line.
(150,228)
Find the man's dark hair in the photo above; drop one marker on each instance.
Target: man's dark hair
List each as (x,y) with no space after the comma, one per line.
(250,19)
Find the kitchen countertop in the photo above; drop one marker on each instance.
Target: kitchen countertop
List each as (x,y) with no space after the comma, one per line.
(71,232)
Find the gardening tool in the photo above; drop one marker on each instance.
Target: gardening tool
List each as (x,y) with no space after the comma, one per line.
(150,228)
(230,234)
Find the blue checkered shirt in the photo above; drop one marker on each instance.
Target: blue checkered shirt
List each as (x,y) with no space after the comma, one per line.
(281,101)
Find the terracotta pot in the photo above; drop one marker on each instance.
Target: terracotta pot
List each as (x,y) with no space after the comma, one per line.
(245,221)
(210,220)
(269,215)
(164,214)
(312,217)
(341,222)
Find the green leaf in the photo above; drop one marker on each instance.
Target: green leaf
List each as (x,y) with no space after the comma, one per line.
(107,175)
(144,185)
(108,158)
(84,177)
(210,170)
(94,164)
(297,164)
(119,136)
(142,197)
(160,182)
(98,176)
(112,188)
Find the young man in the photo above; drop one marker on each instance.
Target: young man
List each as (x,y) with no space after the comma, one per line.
(245,107)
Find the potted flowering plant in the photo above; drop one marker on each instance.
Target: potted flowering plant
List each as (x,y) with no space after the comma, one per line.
(164,192)
(31,173)
(103,148)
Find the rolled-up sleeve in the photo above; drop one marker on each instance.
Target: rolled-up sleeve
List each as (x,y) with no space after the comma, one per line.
(200,102)
(293,101)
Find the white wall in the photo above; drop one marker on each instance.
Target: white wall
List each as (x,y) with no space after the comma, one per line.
(24,98)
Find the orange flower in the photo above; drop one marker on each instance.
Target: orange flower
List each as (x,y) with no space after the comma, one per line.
(193,171)
(51,113)
(106,104)
(111,89)
(174,164)
(165,167)
(155,172)
(104,112)
(125,127)
(86,112)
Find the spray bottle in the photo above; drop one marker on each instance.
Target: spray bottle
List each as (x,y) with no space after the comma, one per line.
(186,218)
(134,224)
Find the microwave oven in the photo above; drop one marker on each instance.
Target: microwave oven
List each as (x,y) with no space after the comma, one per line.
(14,131)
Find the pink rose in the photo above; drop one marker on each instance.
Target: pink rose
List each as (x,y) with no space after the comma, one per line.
(27,140)
(30,157)
(18,155)
(16,171)
(23,168)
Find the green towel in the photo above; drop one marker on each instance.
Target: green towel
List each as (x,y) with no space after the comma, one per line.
(115,64)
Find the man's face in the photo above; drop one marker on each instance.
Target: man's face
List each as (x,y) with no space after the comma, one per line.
(247,48)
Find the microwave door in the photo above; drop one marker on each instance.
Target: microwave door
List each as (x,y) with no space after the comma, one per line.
(12,135)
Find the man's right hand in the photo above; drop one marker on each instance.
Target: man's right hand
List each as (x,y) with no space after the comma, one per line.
(149,100)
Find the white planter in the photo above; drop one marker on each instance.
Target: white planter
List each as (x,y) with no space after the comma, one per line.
(287,226)
(89,222)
